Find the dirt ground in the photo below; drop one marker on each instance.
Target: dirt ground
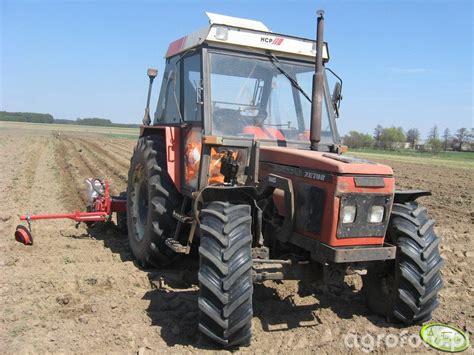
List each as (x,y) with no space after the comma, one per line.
(74,291)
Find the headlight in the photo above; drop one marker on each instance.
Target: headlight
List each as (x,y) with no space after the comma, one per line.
(348,214)
(376,214)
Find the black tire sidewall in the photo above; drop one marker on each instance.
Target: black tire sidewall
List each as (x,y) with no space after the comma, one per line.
(400,230)
(142,249)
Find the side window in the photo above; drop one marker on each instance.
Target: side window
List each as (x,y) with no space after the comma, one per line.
(191,84)
(167,110)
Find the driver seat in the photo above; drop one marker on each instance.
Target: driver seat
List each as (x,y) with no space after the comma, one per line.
(264,132)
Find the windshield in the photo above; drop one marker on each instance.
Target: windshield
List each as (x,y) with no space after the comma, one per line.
(254,98)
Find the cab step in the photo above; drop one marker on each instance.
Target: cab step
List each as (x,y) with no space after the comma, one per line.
(181,217)
(176,246)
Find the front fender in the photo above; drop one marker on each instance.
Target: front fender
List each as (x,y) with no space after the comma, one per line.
(402,196)
(235,195)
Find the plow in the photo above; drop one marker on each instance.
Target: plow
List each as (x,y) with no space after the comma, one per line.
(242,166)
(100,207)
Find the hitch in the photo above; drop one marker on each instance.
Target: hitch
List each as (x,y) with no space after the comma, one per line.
(273,269)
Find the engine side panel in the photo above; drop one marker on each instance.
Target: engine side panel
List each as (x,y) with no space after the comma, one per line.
(318,201)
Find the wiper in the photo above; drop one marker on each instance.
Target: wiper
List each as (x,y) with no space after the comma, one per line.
(274,60)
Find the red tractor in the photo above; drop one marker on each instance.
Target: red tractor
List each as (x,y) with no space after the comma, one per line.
(243,165)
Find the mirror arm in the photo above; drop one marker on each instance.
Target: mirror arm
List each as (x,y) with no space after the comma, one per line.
(337,103)
(337,76)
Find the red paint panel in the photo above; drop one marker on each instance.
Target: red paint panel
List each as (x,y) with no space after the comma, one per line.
(173,157)
(175,47)
(320,161)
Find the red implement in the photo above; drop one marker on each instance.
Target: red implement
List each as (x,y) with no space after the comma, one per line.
(100,211)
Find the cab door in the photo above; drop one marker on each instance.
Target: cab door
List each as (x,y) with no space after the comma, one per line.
(192,111)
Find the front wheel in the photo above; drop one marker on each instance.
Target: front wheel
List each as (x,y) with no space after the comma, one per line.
(225,273)
(406,289)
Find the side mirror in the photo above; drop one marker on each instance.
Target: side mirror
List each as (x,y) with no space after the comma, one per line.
(336,98)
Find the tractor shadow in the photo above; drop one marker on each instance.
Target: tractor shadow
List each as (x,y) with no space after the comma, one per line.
(278,306)
(280,309)
(174,305)
(112,238)
(173,302)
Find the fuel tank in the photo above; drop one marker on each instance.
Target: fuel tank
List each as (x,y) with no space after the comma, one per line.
(323,184)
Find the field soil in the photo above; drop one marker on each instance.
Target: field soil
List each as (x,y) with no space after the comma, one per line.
(78,289)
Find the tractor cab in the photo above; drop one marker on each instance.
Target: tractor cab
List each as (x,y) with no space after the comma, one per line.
(237,81)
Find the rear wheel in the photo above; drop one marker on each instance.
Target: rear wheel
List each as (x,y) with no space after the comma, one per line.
(151,199)
(225,274)
(406,289)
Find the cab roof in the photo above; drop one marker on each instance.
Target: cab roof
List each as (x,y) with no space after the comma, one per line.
(245,34)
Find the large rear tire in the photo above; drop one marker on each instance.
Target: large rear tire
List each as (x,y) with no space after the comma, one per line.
(151,199)
(406,289)
(225,274)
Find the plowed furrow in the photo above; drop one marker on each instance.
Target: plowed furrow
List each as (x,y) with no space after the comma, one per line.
(103,164)
(108,153)
(72,173)
(102,167)
(125,143)
(127,151)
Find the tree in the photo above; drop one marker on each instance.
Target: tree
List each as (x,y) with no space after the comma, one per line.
(433,140)
(446,136)
(377,134)
(356,139)
(435,144)
(95,121)
(391,137)
(462,136)
(26,117)
(413,136)
(434,134)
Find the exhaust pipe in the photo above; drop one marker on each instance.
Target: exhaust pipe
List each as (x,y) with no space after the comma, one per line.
(318,88)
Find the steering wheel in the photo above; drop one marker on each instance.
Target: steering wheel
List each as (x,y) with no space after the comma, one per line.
(227,121)
(260,118)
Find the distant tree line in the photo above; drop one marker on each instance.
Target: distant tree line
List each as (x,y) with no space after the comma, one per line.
(394,138)
(26,117)
(48,118)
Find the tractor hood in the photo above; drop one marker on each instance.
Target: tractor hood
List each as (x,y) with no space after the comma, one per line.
(329,162)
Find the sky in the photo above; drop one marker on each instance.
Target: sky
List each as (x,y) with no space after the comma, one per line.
(403,63)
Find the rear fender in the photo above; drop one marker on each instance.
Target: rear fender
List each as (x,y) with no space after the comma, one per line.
(172,135)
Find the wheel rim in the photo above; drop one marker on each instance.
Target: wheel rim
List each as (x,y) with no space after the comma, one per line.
(140,202)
